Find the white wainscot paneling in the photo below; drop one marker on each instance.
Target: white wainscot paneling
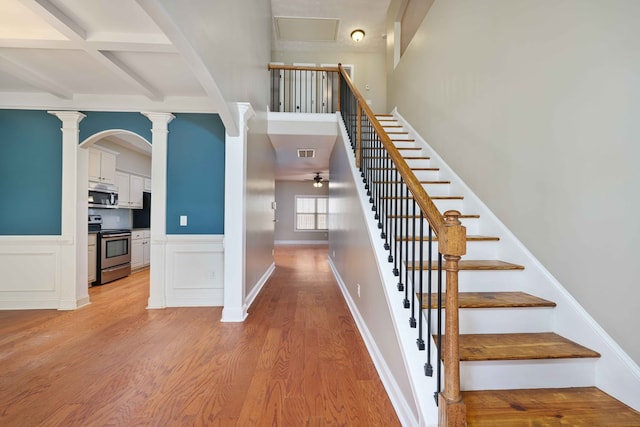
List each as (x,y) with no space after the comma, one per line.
(30,273)
(195,270)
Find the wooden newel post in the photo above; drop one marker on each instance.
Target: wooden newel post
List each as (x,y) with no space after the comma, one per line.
(338,108)
(451,408)
(358,135)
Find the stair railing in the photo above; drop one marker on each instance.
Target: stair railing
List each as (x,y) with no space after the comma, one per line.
(401,205)
(297,89)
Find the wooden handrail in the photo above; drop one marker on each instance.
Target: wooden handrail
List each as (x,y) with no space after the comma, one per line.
(421,197)
(302,68)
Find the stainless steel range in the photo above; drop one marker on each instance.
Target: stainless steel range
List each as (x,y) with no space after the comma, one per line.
(113,253)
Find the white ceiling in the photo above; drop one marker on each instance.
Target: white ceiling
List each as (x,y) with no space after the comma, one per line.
(111,54)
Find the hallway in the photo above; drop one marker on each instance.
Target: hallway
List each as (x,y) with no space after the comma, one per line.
(298,359)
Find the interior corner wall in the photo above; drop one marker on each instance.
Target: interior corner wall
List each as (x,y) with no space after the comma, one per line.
(286,192)
(259,193)
(535,105)
(368,70)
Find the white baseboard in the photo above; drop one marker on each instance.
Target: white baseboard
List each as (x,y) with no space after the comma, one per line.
(402,407)
(258,286)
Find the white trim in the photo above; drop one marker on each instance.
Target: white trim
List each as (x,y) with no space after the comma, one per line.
(259,285)
(73,258)
(194,270)
(157,275)
(235,169)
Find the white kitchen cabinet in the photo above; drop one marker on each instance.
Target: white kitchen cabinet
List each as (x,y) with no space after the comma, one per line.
(129,190)
(147,185)
(92,253)
(102,166)
(140,249)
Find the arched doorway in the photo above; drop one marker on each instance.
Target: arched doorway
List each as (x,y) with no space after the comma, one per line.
(136,149)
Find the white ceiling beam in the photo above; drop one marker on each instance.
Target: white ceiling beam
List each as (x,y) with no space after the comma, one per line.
(109,60)
(56,18)
(159,15)
(131,45)
(61,22)
(34,78)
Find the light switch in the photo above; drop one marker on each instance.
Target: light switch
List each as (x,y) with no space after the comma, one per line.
(183,220)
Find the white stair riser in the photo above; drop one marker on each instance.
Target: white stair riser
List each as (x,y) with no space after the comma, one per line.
(475,250)
(404,144)
(480,281)
(501,320)
(471,224)
(496,375)
(391,127)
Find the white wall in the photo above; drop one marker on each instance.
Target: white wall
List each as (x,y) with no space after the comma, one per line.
(368,70)
(535,105)
(353,257)
(260,193)
(286,192)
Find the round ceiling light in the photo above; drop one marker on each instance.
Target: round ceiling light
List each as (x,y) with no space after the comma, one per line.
(357,35)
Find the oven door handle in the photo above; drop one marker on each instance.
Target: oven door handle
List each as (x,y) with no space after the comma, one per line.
(111,236)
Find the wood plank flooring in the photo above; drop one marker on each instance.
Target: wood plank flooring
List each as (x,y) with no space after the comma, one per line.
(298,359)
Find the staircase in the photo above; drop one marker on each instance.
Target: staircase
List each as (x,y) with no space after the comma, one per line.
(514,369)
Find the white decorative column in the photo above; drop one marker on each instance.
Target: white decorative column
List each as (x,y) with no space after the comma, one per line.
(235,167)
(159,135)
(73,247)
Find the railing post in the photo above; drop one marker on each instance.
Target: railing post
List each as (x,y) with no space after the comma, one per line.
(358,135)
(339,80)
(452,244)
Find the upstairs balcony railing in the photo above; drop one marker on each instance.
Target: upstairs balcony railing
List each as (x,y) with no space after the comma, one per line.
(410,224)
(297,89)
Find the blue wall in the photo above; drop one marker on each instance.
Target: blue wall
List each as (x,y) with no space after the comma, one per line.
(195,174)
(97,121)
(31,169)
(30,173)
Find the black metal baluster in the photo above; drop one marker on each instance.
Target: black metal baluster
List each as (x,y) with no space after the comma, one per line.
(412,319)
(399,239)
(439,375)
(420,341)
(406,249)
(428,367)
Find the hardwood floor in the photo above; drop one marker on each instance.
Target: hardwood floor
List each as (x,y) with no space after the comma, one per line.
(298,359)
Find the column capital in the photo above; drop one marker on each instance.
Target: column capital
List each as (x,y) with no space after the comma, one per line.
(72,118)
(159,120)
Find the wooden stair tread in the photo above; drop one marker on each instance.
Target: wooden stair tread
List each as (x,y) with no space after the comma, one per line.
(490,300)
(520,346)
(575,406)
(473,264)
(434,238)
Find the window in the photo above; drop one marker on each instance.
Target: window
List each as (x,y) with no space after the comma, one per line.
(311,213)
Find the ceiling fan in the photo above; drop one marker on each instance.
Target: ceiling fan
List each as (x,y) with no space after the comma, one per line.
(317,180)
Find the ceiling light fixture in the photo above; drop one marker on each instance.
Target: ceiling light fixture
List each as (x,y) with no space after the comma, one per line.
(357,35)
(317,180)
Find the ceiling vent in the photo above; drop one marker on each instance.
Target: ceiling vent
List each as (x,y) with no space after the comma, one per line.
(305,153)
(306,29)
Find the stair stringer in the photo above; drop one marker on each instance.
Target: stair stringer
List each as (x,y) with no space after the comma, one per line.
(422,387)
(615,372)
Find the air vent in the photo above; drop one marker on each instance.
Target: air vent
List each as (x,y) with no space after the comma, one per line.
(304,153)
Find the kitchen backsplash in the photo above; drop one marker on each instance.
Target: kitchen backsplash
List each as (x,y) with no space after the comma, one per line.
(114,218)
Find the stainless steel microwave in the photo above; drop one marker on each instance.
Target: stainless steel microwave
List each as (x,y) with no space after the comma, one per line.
(103,196)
